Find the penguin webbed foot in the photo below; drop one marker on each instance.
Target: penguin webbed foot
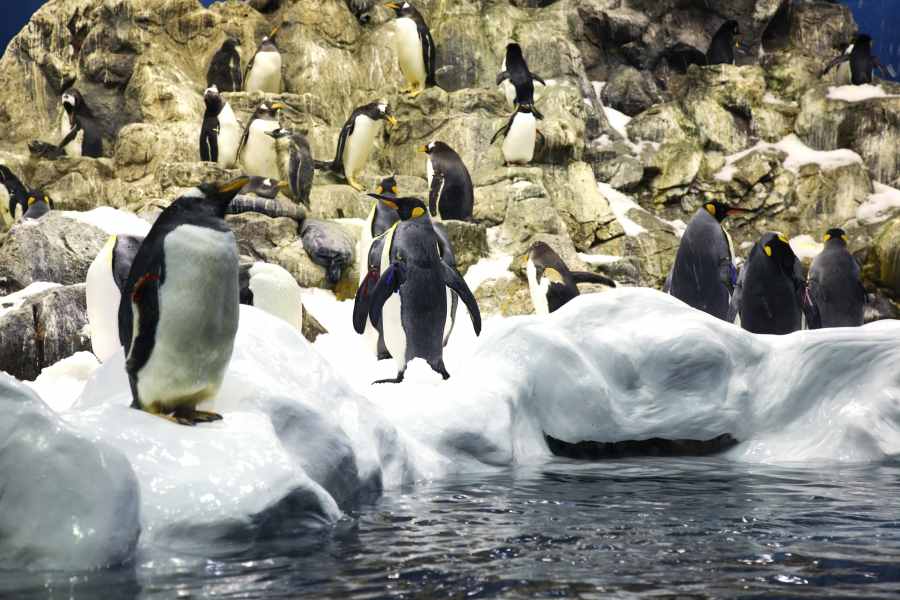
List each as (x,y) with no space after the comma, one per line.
(355,185)
(397,379)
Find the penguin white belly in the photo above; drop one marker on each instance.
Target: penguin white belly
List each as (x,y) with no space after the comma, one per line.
(229,137)
(198,319)
(537,290)
(260,156)
(359,145)
(429,171)
(394,335)
(276,291)
(409,51)
(73,148)
(370,335)
(518,147)
(102,298)
(6,218)
(448,324)
(506,86)
(265,76)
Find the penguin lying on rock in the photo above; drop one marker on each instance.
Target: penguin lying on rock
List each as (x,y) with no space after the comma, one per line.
(550,281)
(264,187)
(356,140)
(837,295)
(329,245)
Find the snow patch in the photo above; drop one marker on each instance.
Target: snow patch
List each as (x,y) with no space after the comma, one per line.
(13,301)
(495,266)
(599,259)
(857,93)
(111,220)
(60,384)
(621,205)
(880,205)
(806,247)
(798,155)
(617,120)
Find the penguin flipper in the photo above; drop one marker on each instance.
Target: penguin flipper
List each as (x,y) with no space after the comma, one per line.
(455,282)
(390,282)
(539,79)
(70,136)
(835,62)
(502,76)
(505,129)
(346,132)
(363,300)
(587,277)
(429,55)
(437,185)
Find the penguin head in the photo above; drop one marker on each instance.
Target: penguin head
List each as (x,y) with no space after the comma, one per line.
(836,235)
(720,210)
(777,248)
(269,109)
(862,41)
(408,207)
(383,111)
(71,100)
(433,147)
(216,197)
(268,42)
(387,187)
(231,44)
(279,133)
(401,9)
(513,53)
(212,98)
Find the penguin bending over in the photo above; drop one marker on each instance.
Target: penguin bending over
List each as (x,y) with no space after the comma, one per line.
(550,281)
(837,295)
(356,140)
(769,296)
(520,136)
(721,48)
(224,71)
(257,148)
(220,134)
(178,315)
(519,89)
(451,194)
(703,275)
(862,61)
(328,245)
(17,202)
(263,72)
(415,48)
(410,295)
(296,162)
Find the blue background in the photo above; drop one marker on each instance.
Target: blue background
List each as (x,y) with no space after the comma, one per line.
(879,18)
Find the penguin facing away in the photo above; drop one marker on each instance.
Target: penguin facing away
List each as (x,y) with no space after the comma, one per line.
(296,161)
(451,194)
(356,140)
(220,134)
(703,275)
(862,61)
(837,295)
(519,90)
(224,71)
(415,48)
(721,48)
(520,134)
(257,149)
(550,281)
(263,72)
(178,315)
(410,296)
(79,128)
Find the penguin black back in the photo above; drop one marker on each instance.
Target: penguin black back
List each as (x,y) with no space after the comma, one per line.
(225,68)
(835,289)
(721,48)
(451,195)
(862,61)
(82,120)
(385,216)
(18,195)
(518,74)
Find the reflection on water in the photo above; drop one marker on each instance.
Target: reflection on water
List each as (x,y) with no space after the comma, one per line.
(637,528)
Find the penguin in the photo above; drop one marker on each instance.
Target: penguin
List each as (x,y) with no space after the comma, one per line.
(17,201)
(269,207)
(721,48)
(178,314)
(328,245)
(516,79)
(257,149)
(224,71)
(836,293)
(263,72)
(415,48)
(410,296)
(381,218)
(296,161)
(451,194)
(680,56)
(264,187)
(360,9)
(520,134)
(79,129)
(862,61)
(38,204)
(356,140)
(843,75)
(769,294)
(703,275)
(273,289)
(220,134)
(550,281)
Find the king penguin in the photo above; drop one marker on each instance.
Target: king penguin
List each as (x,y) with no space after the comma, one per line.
(520,134)
(356,140)
(550,281)
(296,162)
(837,294)
(224,71)
(721,48)
(516,80)
(79,128)
(257,149)
(263,72)
(178,315)
(415,48)
(17,201)
(451,195)
(703,275)
(410,295)
(38,205)
(220,134)
(862,61)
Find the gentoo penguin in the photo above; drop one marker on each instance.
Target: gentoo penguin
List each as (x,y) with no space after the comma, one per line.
(224,71)
(328,245)
(837,294)
(296,162)
(263,72)
(516,79)
(550,281)
(17,202)
(451,194)
(257,149)
(520,134)
(356,140)
(721,48)
(415,48)
(273,289)
(38,203)
(862,61)
(410,295)
(79,128)
(178,316)
(703,275)
(769,294)
(264,187)
(220,134)
(360,9)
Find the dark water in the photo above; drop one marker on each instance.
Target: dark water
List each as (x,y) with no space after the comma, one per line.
(626,529)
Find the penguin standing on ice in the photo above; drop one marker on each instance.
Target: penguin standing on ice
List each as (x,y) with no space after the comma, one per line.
(263,72)
(356,140)
(220,134)
(224,71)
(415,48)
(515,78)
(178,315)
(410,295)
(257,149)
(837,294)
(520,134)
(451,194)
(862,61)
(296,162)
(79,128)
(703,275)
(550,281)
(17,202)
(721,48)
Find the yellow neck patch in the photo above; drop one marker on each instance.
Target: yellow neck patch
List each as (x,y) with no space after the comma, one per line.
(417,212)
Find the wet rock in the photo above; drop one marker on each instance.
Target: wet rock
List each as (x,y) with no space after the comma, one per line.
(311,328)
(883,264)
(506,296)
(469,241)
(662,123)
(677,164)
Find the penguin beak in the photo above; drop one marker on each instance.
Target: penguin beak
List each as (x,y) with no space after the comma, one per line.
(392,5)
(391,120)
(283,185)
(277,106)
(733,210)
(274,31)
(422,149)
(233,186)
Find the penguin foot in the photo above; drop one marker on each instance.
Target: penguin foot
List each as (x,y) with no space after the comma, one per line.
(356,185)
(406,90)
(415,92)
(178,420)
(384,355)
(203,416)
(397,379)
(191,417)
